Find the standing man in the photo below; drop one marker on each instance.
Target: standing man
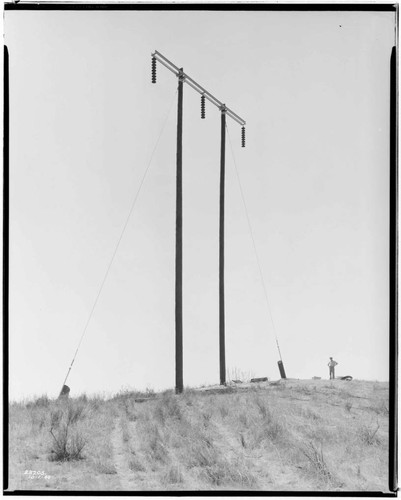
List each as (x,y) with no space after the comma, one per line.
(331,366)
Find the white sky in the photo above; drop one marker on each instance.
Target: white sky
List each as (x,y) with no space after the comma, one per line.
(314,90)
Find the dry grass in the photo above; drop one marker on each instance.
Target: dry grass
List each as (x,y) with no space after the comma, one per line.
(281,436)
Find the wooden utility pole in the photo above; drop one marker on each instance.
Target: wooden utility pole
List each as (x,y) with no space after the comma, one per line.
(6,232)
(222,346)
(179,379)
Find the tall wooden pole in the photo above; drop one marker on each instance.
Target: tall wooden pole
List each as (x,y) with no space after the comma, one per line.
(394,267)
(6,213)
(179,384)
(221,251)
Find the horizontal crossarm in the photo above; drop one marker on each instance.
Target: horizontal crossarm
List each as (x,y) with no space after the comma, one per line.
(192,83)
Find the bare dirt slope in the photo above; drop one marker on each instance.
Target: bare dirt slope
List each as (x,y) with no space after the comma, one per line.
(276,436)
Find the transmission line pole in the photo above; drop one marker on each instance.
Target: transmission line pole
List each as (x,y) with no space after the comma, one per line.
(225,111)
(222,347)
(179,379)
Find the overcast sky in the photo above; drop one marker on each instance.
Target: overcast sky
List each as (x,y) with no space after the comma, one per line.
(313,88)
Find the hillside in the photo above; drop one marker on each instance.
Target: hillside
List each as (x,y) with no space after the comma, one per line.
(285,435)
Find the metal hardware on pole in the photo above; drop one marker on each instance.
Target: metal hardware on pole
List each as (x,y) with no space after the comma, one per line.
(179,384)
(221,251)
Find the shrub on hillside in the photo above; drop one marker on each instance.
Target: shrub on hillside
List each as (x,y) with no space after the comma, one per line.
(68,444)
(68,441)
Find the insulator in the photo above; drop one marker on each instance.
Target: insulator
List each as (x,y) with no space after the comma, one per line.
(202,106)
(153,69)
(243,137)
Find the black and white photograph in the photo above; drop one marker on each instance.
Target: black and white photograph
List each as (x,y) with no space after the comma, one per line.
(199,248)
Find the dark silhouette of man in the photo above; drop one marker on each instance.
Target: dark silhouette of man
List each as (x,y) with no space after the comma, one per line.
(331,366)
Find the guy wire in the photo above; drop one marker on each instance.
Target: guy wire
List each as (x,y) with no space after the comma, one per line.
(119,239)
(253,242)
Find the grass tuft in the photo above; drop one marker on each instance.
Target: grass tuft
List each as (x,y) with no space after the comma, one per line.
(317,461)
(348,405)
(368,434)
(105,467)
(135,464)
(173,475)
